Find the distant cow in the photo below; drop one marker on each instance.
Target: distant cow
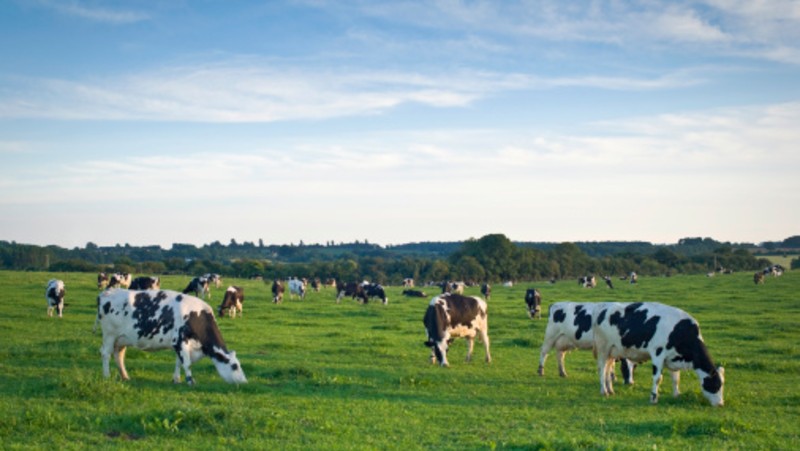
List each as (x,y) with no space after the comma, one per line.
(54,293)
(533,299)
(161,319)
(667,336)
(486,291)
(214,278)
(408,282)
(316,284)
(453,287)
(277,291)
(145,283)
(633,278)
(198,286)
(569,326)
(450,316)
(414,293)
(758,278)
(119,280)
(232,301)
(587,282)
(297,288)
(102,280)
(608,282)
(375,290)
(352,289)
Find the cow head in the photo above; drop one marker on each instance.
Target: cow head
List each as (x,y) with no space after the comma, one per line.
(229,368)
(712,386)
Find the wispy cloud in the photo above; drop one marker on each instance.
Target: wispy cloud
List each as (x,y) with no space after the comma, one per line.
(93,12)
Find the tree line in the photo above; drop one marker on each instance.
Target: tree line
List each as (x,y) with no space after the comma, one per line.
(491,258)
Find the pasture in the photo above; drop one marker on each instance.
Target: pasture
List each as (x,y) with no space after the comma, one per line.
(350,376)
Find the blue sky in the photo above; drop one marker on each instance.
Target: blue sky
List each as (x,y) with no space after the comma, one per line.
(156,122)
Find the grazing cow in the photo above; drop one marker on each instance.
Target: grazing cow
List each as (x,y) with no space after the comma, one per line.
(587,282)
(534,301)
(414,293)
(145,283)
(633,277)
(450,316)
(375,290)
(352,289)
(486,291)
(119,280)
(277,291)
(408,282)
(232,301)
(453,287)
(667,336)
(214,278)
(316,284)
(758,278)
(55,297)
(198,286)
(297,288)
(608,282)
(162,319)
(102,280)
(569,326)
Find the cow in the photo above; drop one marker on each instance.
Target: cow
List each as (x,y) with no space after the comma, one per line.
(375,290)
(352,289)
(758,278)
(297,288)
(408,282)
(161,319)
(633,278)
(198,286)
(102,280)
(450,316)
(54,293)
(214,278)
(587,281)
(453,287)
(414,293)
(534,301)
(232,301)
(145,283)
(569,326)
(316,284)
(277,291)
(119,280)
(666,335)
(609,284)
(486,291)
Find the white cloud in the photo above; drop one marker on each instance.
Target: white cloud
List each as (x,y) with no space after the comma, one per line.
(94,13)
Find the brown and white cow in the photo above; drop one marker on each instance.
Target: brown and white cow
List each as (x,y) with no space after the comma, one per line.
(450,316)
(486,291)
(665,335)
(758,278)
(162,319)
(570,326)
(102,280)
(119,280)
(352,289)
(54,293)
(145,283)
(277,291)
(232,301)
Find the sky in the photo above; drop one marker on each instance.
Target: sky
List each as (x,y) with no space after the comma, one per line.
(155,122)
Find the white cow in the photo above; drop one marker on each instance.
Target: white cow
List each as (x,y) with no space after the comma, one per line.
(55,297)
(162,319)
(297,288)
(667,336)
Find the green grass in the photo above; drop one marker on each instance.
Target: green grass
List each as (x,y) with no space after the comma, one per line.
(349,376)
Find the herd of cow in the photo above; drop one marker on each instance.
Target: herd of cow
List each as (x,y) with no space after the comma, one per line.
(139,313)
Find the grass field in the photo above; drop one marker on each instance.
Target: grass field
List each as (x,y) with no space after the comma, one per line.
(349,376)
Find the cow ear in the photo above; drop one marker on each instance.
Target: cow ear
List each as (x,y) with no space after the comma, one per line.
(233,354)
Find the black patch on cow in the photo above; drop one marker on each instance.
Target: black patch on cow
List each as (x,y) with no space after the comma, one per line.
(635,330)
(601,316)
(559,316)
(583,321)
(463,309)
(201,326)
(655,370)
(659,350)
(234,366)
(107,307)
(685,339)
(149,320)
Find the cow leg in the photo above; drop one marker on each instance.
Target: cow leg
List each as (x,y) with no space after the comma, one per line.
(606,387)
(562,370)
(184,360)
(119,358)
(657,377)
(105,352)
(470,347)
(676,379)
(485,340)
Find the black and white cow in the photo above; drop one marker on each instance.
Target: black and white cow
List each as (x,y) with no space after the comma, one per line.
(54,293)
(375,290)
(316,284)
(587,281)
(667,336)
(486,291)
(277,291)
(414,294)
(570,326)
(145,283)
(297,288)
(214,278)
(633,278)
(450,316)
(119,280)
(352,289)
(609,283)
(102,280)
(161,319)
(198,286)
(533,299)
(232,301)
